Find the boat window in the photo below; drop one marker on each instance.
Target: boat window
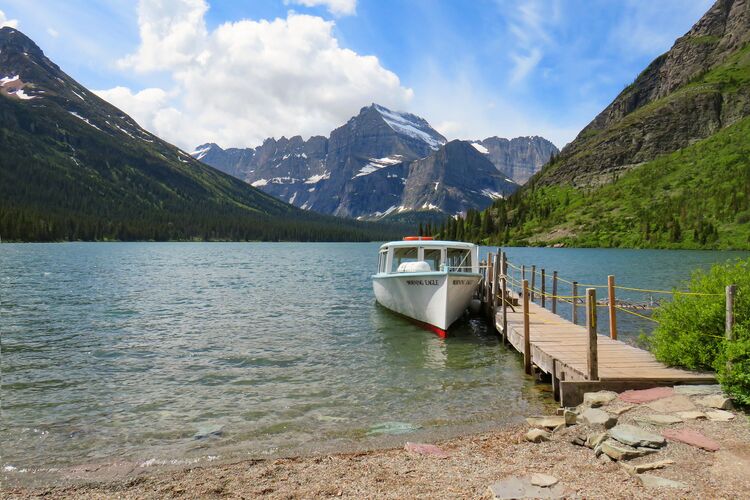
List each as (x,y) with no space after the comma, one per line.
(403,254)
(459,259)
(432,257)
(381,261)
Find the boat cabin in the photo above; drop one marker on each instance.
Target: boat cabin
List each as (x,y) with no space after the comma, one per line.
(424,256)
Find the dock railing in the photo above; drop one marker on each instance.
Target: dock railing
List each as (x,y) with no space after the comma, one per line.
(506,286)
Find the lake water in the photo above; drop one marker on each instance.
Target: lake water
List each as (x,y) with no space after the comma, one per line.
(177,352)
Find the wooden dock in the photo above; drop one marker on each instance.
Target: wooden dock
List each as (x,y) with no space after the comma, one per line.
(575,358)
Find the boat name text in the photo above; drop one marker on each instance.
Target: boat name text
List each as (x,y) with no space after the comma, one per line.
(422,282)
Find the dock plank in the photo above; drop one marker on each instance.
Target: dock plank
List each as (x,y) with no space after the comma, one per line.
(559,347)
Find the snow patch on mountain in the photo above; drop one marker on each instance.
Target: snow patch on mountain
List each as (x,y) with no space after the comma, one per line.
(480,148)
(314,179)
(376,164)
(200,152)
(8,79)
(405,124)
(491,194)
(84,119)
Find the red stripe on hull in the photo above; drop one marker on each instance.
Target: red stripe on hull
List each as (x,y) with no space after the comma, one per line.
(432,328)
(427,326)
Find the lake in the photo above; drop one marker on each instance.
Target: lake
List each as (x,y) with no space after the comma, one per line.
(161,353)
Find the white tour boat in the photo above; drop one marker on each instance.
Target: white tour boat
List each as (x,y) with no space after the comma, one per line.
(431,282)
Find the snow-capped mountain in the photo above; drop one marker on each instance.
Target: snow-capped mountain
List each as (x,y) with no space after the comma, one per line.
(373,165)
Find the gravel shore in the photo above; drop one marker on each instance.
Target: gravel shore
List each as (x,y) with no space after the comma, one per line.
(472,464)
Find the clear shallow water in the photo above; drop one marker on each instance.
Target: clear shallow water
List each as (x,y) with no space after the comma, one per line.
(151,351)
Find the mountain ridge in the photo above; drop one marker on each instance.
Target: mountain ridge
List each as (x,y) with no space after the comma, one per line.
(76,167)
(363,169)
(665,165)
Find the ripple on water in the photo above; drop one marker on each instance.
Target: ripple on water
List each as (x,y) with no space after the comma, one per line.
(131,350)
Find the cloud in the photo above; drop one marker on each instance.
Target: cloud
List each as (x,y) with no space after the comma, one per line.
(53,32)
(335,7)
(645,28)
(529,24)
(247,80)
(460,105)
(4,21)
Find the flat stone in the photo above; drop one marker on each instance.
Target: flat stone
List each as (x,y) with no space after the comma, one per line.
(649,481)
(597,399)
(646,395)
(549,422)
(720,415)
(537,436)
(692,415)
(672,404)
(620,410)
(697,390)
(570,417)
(594,416)
(594,440)
(716,401)
(578,441)
(521,487)
(209,431)
(426,449)
(659,419)
(634,469)
(543,480)
(618,451)
(635,436)
(691,437)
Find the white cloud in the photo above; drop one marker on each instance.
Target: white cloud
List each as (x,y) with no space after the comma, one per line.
(529,26)
(4,21)
(461,106)
(336,7)
(646,28)
(248,80)
(53,32)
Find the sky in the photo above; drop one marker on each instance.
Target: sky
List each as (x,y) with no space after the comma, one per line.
(237,72)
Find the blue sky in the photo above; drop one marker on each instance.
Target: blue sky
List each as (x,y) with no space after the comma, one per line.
(473,69)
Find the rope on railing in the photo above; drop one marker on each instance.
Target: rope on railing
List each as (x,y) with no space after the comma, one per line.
(632,289)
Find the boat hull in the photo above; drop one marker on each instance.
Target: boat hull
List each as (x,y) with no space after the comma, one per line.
(436,299)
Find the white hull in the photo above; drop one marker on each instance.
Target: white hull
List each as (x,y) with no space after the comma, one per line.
(435,298)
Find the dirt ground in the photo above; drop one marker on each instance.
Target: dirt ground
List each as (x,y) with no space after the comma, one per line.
(472,465)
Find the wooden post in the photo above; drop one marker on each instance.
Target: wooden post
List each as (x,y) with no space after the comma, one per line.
(505,308)
(523,275)
(729,323)
(554,292)
(575,303)
(490,274)
(612,310)
(544,288)
(526,329)
(592,358)
(533,281)
(495,284)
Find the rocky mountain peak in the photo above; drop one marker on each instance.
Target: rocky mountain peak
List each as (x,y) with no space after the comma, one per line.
(704,76)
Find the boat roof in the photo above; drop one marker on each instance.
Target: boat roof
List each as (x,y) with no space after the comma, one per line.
(428,243)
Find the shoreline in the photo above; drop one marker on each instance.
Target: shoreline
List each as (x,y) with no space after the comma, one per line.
(463,466)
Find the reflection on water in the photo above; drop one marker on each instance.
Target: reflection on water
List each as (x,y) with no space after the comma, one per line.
(153,351)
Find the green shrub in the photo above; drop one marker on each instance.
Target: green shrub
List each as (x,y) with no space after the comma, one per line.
(691,328)
(734,366)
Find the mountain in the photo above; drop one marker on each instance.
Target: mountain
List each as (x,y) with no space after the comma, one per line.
(75,167)
(666,164)
(687,94)
(381,163)
(518,158)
